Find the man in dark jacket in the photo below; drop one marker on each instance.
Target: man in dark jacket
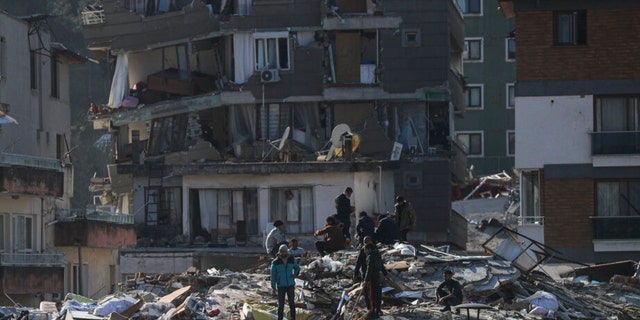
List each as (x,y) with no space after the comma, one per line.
(283,269)
(364,227)
(372,281)
(344,210)
(334,239)
(361,261)
(387,231)
(449,292)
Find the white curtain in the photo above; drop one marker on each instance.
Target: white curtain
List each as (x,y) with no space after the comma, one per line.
(120,82)
(208,209)
(308,120)
(243,124)
(306,210)
(244,7)
(243,49)
(238,205)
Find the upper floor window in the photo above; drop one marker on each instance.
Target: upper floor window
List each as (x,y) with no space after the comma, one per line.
(618,198)
(411,38)
(272,50)
(570,27)
(530,197)
(473,142)
(510,49)
(23,233)
(511,143)
(474,96)
(168,135)
(470,6)
(472,50)
(617,114)
(511,96)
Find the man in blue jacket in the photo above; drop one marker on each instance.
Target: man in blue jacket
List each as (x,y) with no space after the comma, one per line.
(283,269)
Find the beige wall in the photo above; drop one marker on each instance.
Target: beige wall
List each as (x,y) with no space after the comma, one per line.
(100,267)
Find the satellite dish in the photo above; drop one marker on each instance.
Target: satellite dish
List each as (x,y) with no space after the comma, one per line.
(336,134)
(284,138)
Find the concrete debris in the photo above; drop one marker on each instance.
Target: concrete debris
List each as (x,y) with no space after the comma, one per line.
(493,289)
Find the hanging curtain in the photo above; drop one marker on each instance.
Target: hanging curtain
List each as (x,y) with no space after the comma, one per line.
(308,120)
(243,124)
(243,49)
(120,82)
(208,209)
(244,7)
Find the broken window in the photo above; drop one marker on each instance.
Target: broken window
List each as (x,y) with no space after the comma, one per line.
(530,197)
(294,206)
(224,212)
(272,50)
(168,135)
(23,233)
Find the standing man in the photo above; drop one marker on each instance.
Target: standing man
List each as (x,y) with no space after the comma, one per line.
(283,269)
(405,216)
(449,292)
(361,261)
(372,281)
(275,238)
(344,210)
(364,228)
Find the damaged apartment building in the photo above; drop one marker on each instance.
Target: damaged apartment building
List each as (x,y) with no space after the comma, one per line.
(225,116)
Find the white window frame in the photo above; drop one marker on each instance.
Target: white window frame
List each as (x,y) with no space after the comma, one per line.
(18,233)
(506,102)
(474,14)
(470,132)
(507,133)
(530,209)
(474,85)
(465,53)
(506,49)
(293,217)
(272,35)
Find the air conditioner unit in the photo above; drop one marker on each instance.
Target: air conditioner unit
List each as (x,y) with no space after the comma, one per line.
(271,75)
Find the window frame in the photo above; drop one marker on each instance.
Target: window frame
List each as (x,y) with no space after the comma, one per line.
(275,197)
(468,148)
(530,188)
(466,96)
(466,52)
(265,37)
(508,95)
(31,245)
(508,134)
(472,14)
(577,28)
(507,51)
(411,44)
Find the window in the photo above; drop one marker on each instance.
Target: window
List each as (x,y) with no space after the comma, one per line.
(472,50)
(472,141)
(164,206)
(618,198)
(617,114)
(511,143)
(474,96)
(470,6)
(77,281)
(530,197)
(411,38)
(510,48)
(23,234)
(168,134)
(33,62)
(274,118)
(511,96)
(570,27)
(55,81)
(272,51)
(223,212)
(294,206)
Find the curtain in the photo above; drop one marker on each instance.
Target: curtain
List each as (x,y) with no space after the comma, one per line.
(307,118)
(306,210)
(238,206)
(208,209)
(224,211)
(613,114)
(243,49)
(243,124)
(292,197)
(244,7)
(120,82)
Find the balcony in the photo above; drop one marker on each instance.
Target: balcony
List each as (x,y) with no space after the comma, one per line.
(615,142)
(32,259)
(30,161)
(616,228)
(92,14)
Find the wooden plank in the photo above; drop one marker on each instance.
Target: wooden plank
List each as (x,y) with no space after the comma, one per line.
(179,294)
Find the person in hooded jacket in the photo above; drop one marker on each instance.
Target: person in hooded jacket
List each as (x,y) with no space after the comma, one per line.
(283,270)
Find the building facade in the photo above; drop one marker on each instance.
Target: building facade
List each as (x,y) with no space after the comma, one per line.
(487,128)
(225,119)
(577,94)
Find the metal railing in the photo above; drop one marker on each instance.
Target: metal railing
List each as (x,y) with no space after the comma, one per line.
(621,228)
(30,161)
(92,16)
(32,259)
(95,213)
(532,220)
(615,142)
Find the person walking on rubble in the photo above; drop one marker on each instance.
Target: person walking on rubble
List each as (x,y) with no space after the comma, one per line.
(361,261)
(334,239)
(405,216)
(387,231)
(344,210)
(364,228)
(275,238)
(373,280)
(283,270)
(449,292)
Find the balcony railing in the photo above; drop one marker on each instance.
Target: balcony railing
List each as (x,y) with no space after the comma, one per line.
(618,228)
(92,15)
(95,213)
(30,161)
(615,142)
(32,259)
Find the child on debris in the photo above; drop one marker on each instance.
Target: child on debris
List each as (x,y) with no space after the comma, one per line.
(275,238)
(361,261)
(374,275)
(283,270)
(296,251)
(334,239)
(449,292)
